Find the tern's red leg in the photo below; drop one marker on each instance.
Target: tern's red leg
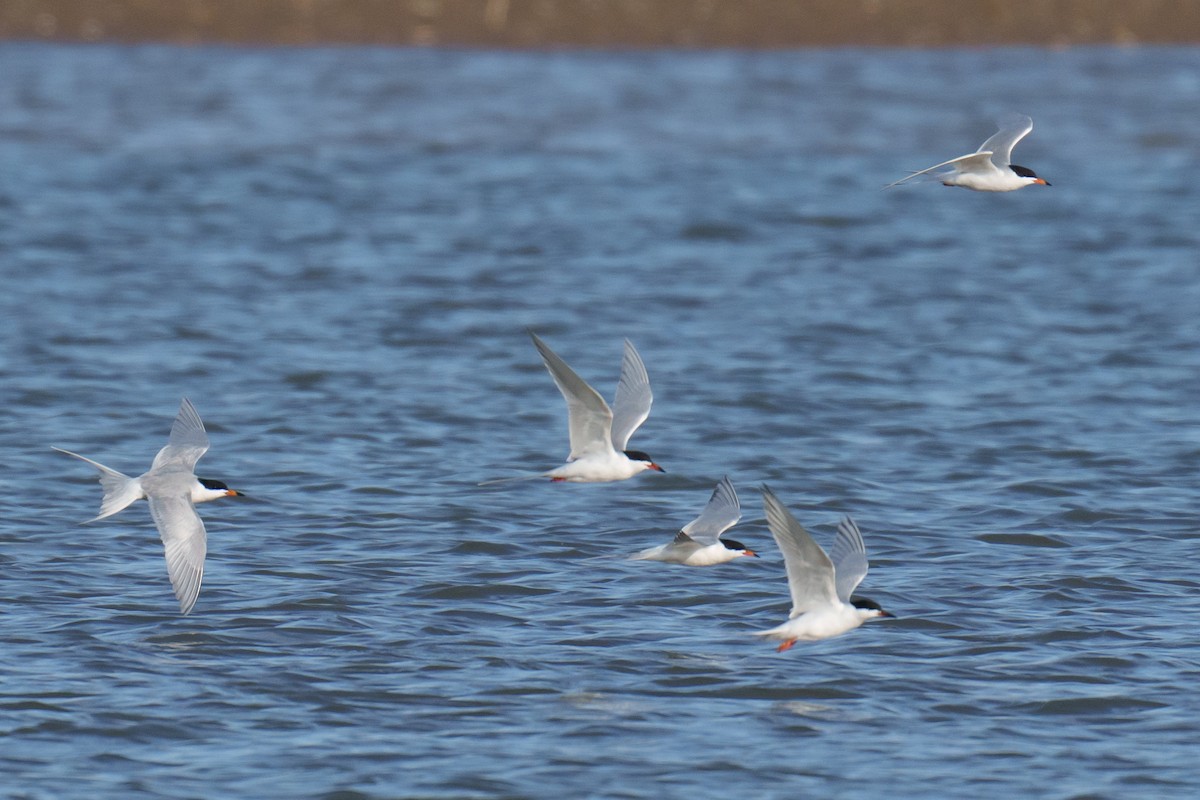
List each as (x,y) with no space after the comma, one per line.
(786,645)
(558,480)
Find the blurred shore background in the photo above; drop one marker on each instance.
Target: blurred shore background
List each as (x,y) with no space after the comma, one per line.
(608,23)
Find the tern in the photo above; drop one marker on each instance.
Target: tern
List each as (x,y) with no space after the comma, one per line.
(599,434)
(990,168)
(172,490)
(699,543)
(822,601)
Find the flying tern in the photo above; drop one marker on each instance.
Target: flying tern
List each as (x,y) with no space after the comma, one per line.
(822,601)
(699,543)
(599,434)
(990,168)
(172,490)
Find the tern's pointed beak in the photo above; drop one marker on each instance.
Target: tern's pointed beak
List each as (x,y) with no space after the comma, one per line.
(1042,182)
(883,613)
(750,553)
(655,467)
(233,493)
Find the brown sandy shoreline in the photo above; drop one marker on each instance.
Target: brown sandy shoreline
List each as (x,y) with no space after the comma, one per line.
(608,23)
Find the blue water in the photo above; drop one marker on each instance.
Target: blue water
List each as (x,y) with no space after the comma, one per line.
(335,253)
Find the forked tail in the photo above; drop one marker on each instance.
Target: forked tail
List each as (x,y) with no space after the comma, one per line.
(119,490)
(645,555)
(774,633)
(513,479)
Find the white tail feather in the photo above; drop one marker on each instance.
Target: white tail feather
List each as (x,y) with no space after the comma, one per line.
(513,479)
(119,490)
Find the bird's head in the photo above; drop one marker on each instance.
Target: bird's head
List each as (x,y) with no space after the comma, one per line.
(1026,172)
(213,490)
(738,547)
(643,458)
(869,609)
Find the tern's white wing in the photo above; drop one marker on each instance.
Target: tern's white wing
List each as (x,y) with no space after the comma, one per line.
(849,559)
(722,513)
(967,163)
(188,440)
(589,418)
(183,536)
(1013,128)
(631,406)
(809,570)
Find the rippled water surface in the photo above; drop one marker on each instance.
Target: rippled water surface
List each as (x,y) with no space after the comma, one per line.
(336,253)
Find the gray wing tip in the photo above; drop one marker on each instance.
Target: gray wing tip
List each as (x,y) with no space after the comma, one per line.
(632,365)
(771,501)
(186,604)
(849,540)
(548,355)
(776,512)
(186,407)
(1013,119)
(188,420)
(539,342)
(911,174)
(639,364)
(769,494)
(727,495)
(186,582)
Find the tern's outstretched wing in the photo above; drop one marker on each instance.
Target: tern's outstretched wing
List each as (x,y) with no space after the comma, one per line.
(849,559)
(183,536)
(722,513)
(188,440)
(965,163)
(631,406)
(809,570)
(1013,128)
(589,417)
